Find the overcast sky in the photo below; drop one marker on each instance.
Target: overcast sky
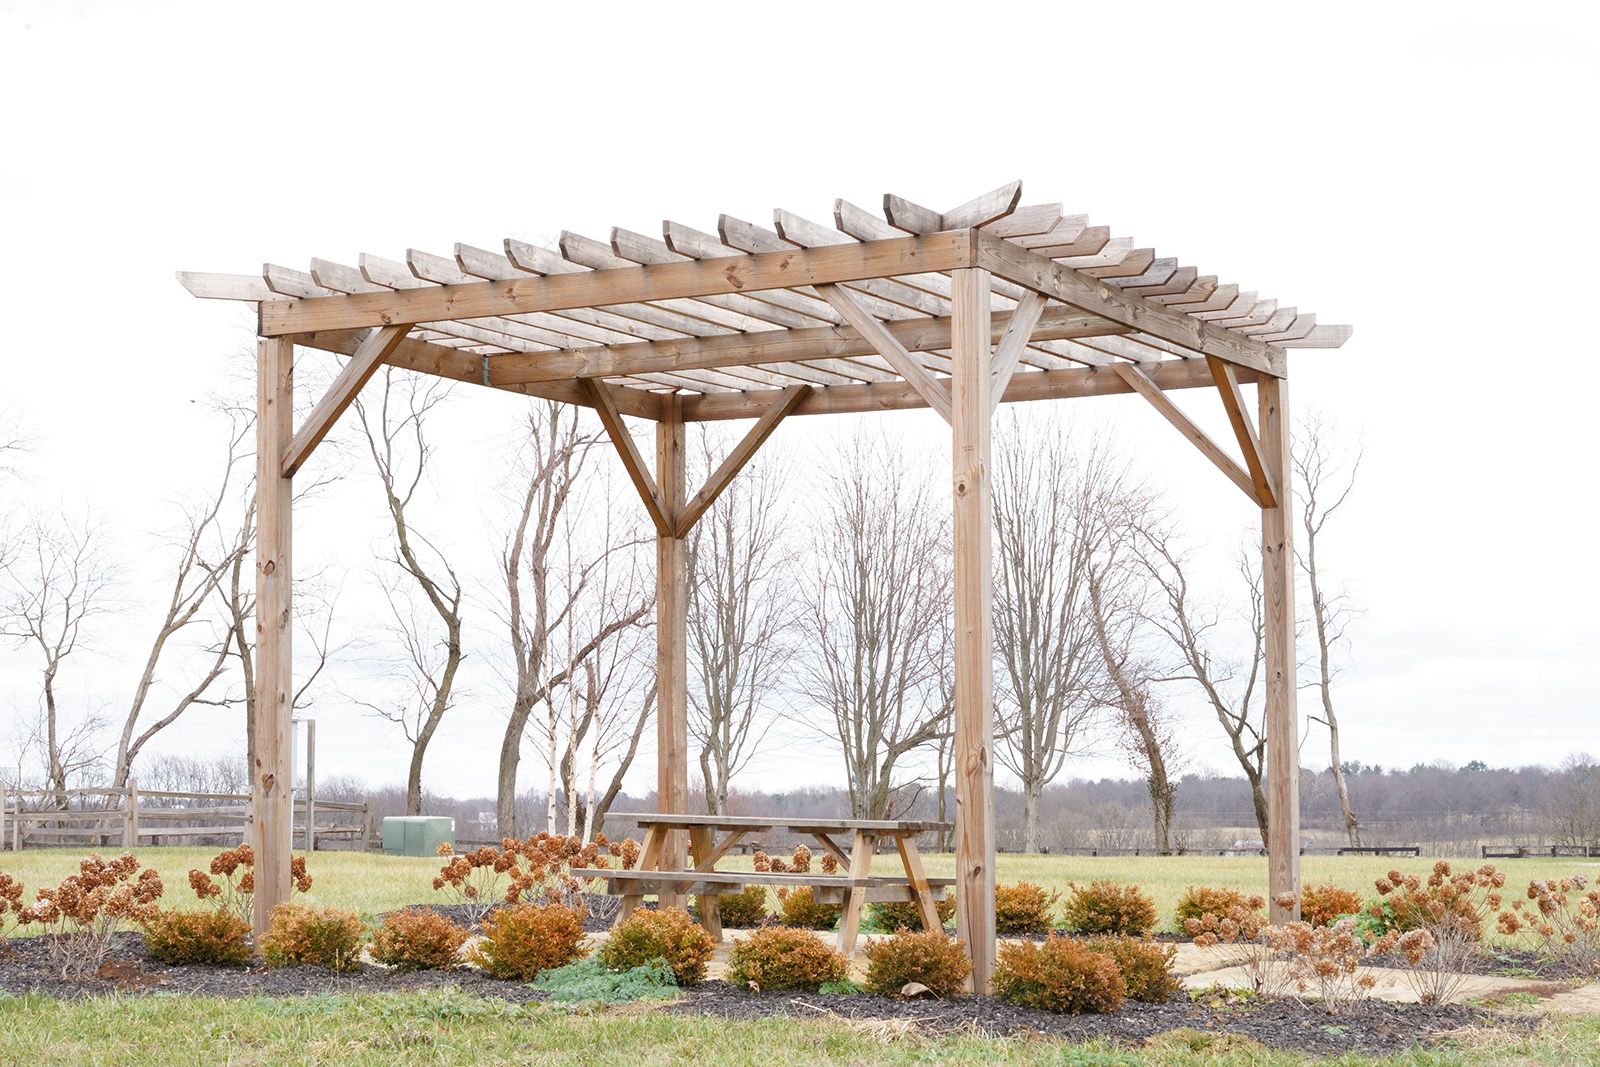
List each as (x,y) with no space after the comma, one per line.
(1424,172)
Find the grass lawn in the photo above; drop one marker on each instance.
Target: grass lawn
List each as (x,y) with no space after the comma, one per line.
(372,883)
(447,1027)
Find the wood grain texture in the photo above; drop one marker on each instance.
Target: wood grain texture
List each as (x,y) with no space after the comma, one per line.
(632,461)
(1282,718)
(374,351)
(1244,430)
(1141,383)
(974,624)
(672,640)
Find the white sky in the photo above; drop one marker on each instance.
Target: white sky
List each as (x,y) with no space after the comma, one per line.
(1425,172)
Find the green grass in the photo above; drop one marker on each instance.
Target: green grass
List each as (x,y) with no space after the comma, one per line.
(448,1027)
(373,883)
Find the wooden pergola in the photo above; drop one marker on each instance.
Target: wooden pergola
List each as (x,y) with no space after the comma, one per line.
(958,310)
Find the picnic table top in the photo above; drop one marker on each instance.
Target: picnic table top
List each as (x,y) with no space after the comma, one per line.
(794,823)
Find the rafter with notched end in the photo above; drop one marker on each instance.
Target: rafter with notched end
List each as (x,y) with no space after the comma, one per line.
(628,451)
(1244,430)
(1141,384)
(979,211)
(779,407)
(375,349)
(934,394)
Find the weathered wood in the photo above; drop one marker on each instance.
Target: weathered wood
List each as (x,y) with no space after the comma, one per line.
(1008,353)
(873,331)
(628,451)
(587,289)
(794,824)
(271,776)
(911,860)
(375,349)
(1072,287)
(704,856)
(1244,430)
(861,849)
(672,636)
(649,859)
(130,818)
(742,453)
(974,625)
(1282,721)
(1142,385)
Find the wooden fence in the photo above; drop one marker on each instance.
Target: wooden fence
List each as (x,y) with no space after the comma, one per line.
(130,816)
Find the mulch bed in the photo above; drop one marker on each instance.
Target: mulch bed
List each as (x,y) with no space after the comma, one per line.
(1505,963)
(1374,1027)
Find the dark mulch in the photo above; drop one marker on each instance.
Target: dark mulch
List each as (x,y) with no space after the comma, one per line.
(1373,1028)
(1506,963)
(131,970)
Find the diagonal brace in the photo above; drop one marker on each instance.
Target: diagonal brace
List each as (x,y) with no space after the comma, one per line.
(605,405)
(1140,383)
(933,393)
(742,453)
(1008,353)
(375,348)
(1249,444)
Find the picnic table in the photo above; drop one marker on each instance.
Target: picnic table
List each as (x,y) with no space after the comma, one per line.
(711,837)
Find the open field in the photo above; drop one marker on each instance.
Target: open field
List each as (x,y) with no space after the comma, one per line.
(445,1027)
(374,883)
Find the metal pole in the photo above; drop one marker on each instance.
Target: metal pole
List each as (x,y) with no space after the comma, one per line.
(311,785)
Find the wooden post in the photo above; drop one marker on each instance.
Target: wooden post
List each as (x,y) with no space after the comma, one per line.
(672,623)
(311,785)
(5,797)
(974,625)
(366,825)
(130,816)
(272,777)
(1282,719)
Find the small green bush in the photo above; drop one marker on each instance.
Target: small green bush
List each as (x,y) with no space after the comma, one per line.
(797,906)
(590,981)
(1022,909)
(317,937)
(1145,966)
(418,941)
(1104,907)
(905,915)
(931,958)
(667,934)
(781,957)
(213,938)
(1062,975)
(521,940)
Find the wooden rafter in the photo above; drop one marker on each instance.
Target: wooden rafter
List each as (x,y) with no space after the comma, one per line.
(934,394)
(628,452)
(1244,430)
(1141,384)
(374,350)
(779,407)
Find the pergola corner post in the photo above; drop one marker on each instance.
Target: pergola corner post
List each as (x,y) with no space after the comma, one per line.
(272,775)
(672,636)
(1282,719)
(971,383)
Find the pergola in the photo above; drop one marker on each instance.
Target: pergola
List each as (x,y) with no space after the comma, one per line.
(958,310)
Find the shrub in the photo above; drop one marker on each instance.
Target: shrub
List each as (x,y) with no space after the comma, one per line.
(317,937)
(1199,901)
(1104,907)
(214,938)
(535,871)
(1323,905)
(1444,899)
(1563,921)
(87,908)
(743,910)
(798,863)
(588,981)
(1022,909)
(667,934)
(235,893)
(1062,975)
(1145,966)
(798,906)
(519,942)
(10,909)
(1325,961)
(473,879)
(418,941)
(905,915)
(780,957)
(931,958)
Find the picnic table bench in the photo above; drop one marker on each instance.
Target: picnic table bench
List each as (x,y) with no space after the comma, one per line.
(854,889)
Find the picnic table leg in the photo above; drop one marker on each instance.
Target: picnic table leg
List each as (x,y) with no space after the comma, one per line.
(649,859)
(860,867)
(911,859)
(703,853)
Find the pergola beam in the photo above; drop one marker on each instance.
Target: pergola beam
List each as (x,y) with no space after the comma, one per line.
(779,407)
(1071,286)
(874,332)
(1141,384)
(374,350)
(622,285)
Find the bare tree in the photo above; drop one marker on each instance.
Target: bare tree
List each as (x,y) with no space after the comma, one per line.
(56,582)
(1571,805)
(1325,474)
(1232,687)
(396,436)
(873,620)
(538,600)
(740,609)
(1050,506)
